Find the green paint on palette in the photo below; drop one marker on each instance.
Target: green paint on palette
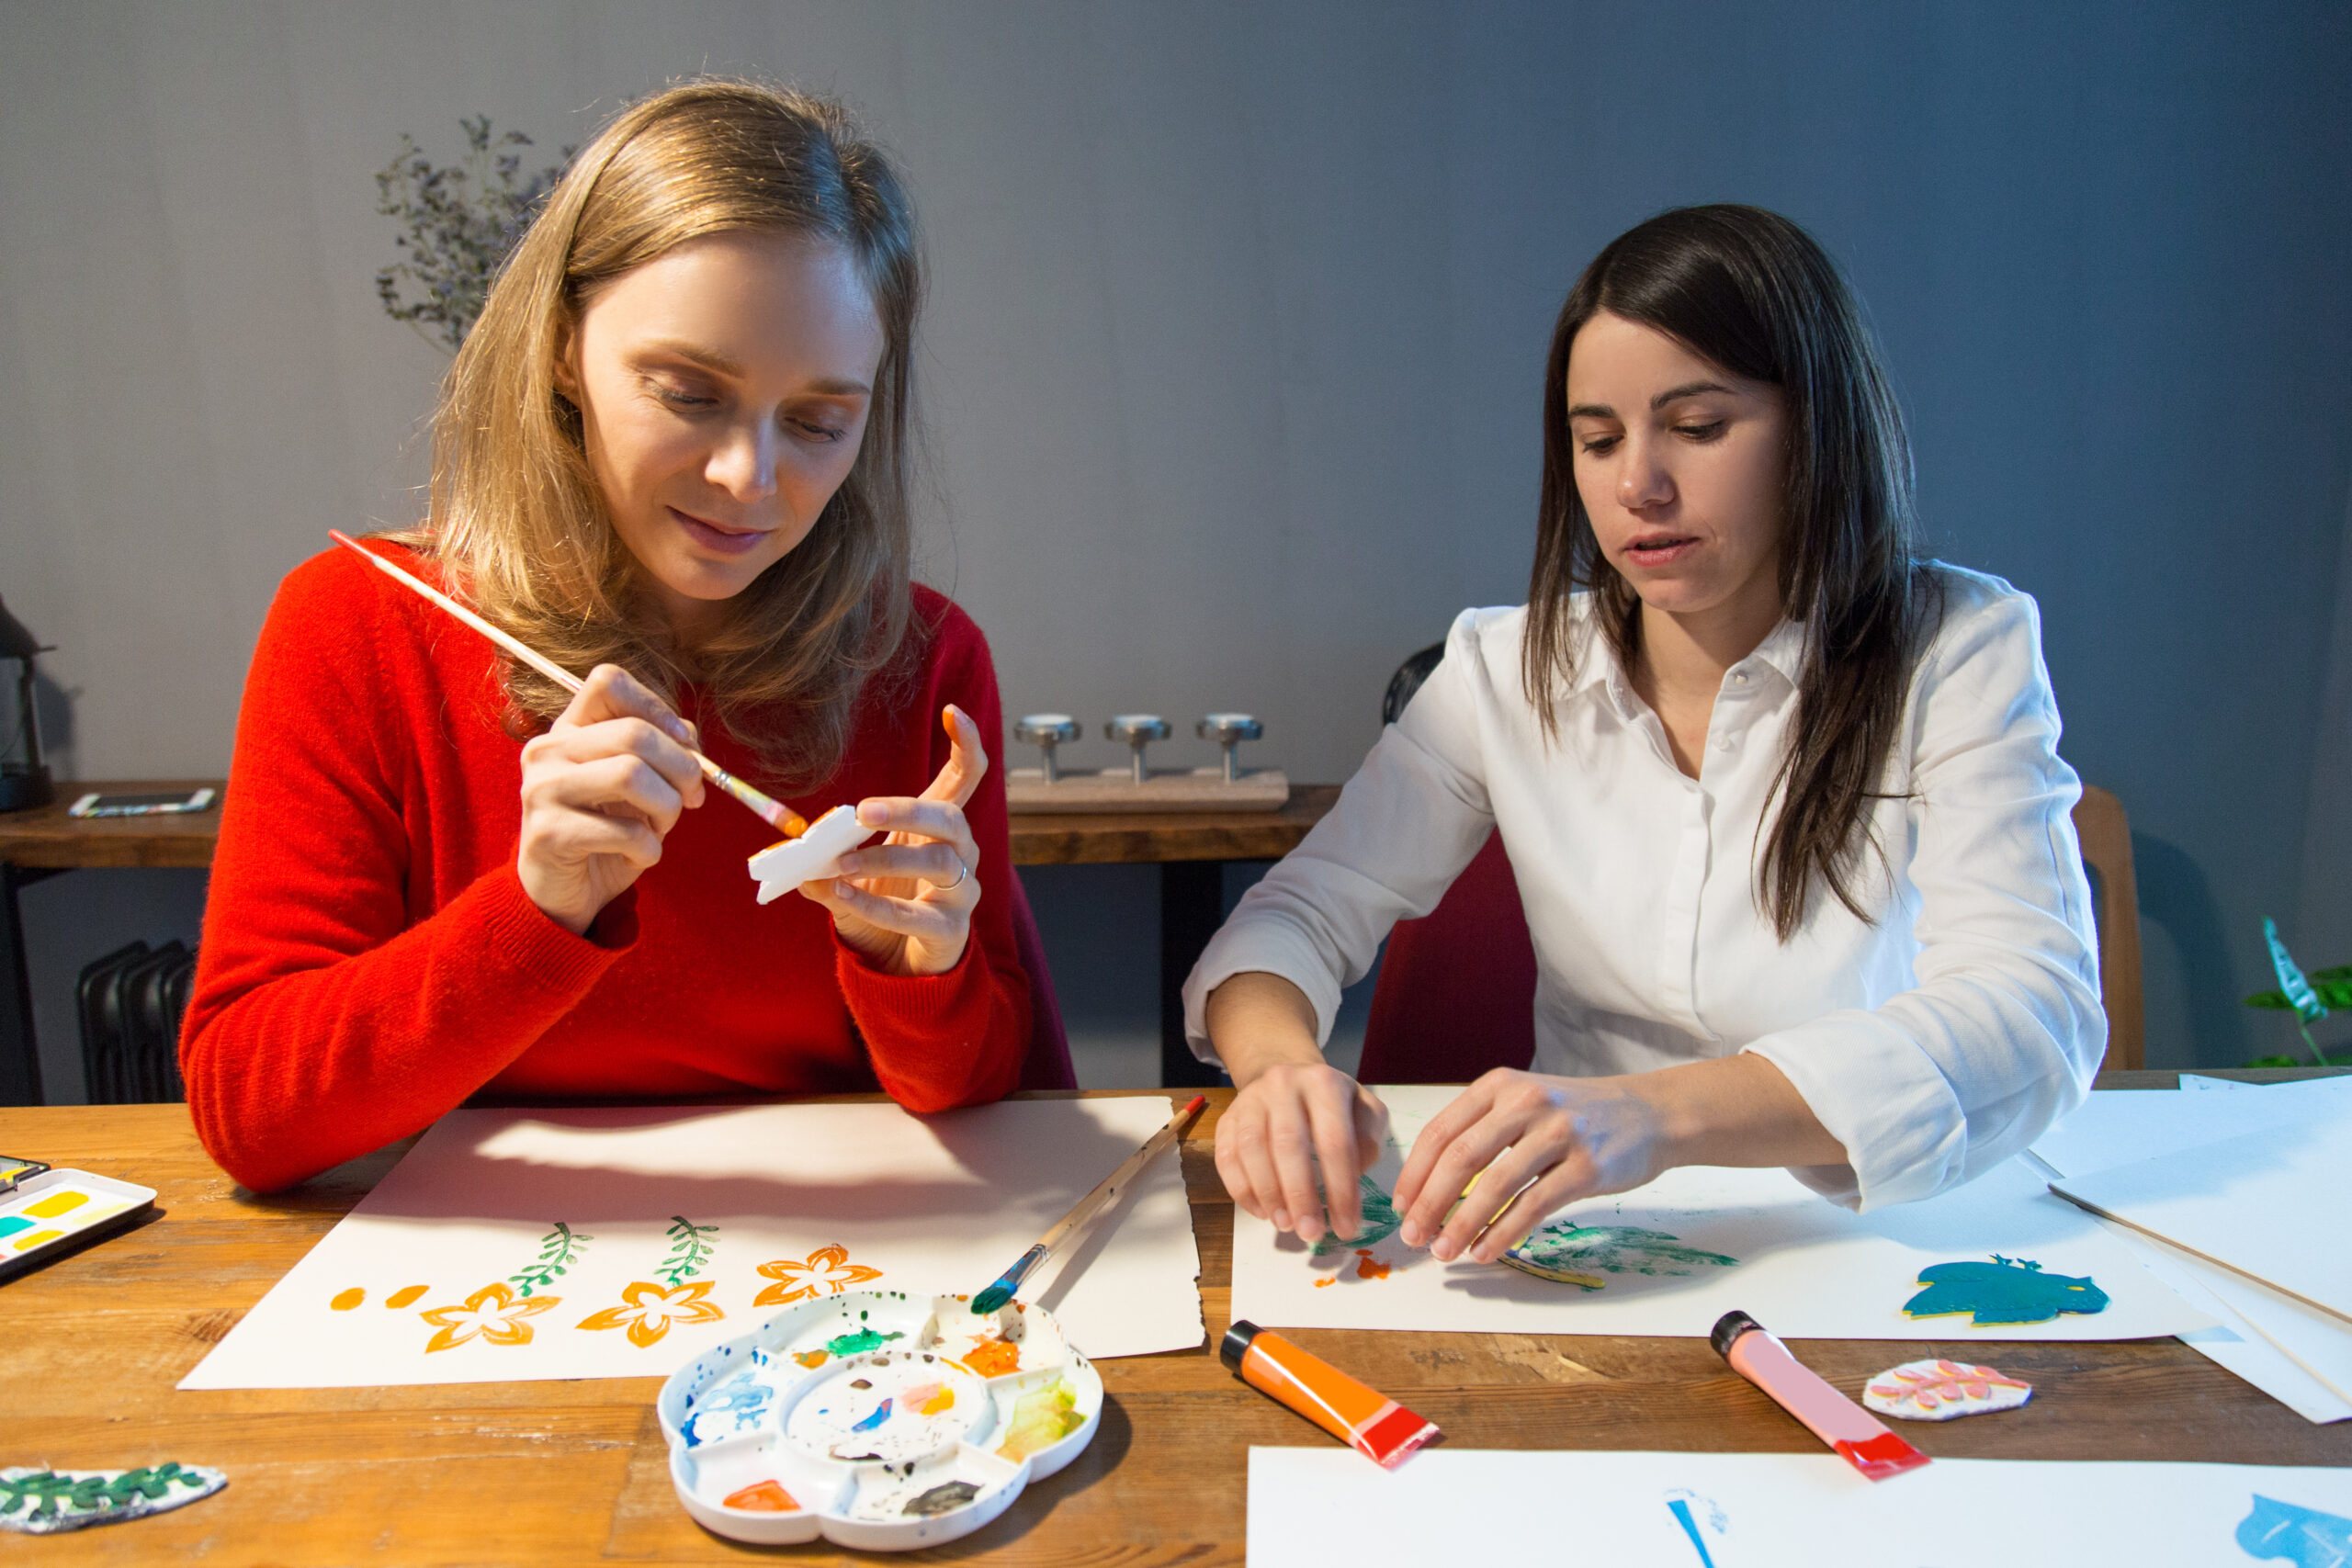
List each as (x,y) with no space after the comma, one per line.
(14,1223)
(1565,1245)
(1380,1221)
(857,1344)
(2006,1290)
(941,1499)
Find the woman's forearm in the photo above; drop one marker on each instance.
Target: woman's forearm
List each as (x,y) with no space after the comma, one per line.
(1736,1111)
(1258,1020)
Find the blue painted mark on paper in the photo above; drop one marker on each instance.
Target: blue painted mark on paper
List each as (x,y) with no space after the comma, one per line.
(1681,1511)
(2304,1537)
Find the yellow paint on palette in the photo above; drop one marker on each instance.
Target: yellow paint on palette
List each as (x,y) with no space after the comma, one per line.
(56,1204)
(28,1242)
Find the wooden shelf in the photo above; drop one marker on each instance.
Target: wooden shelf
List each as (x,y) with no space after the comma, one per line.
(47,839)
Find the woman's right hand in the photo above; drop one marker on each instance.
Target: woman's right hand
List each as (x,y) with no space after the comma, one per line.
(601,790)
(1295,1112)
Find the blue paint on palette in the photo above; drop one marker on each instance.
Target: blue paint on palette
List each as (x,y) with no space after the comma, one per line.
(2304,1537)
(881,1413)
(14,1223)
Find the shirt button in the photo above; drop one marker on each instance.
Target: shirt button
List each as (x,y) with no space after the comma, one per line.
(1726,743)
(1739,677)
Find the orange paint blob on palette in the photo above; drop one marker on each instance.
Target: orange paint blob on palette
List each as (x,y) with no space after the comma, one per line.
(763,1497)
(994,1358)
(57,1211)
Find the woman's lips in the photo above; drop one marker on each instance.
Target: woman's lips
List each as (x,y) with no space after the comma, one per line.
(724,541)
(1663,550)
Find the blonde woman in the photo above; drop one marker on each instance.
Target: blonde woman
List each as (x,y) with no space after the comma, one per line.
(672,452)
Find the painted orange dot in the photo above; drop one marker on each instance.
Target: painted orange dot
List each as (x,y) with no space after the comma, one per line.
(403,1296)
(763,1497)
(1321,1283)
(1367,1269)
(994,1357)
(347,1299)
(810,1358)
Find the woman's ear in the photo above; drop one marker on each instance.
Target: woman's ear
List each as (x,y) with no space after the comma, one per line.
(567,371)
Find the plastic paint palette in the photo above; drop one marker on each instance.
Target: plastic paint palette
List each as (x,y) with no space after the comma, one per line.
(60,1210)
(880,1421)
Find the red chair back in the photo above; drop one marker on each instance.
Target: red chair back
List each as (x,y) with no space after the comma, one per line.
(1456,993)
(1048,1065)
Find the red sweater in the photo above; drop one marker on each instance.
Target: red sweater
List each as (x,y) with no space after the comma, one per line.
(370,959)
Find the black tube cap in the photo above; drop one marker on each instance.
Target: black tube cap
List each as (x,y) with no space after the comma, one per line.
(1236,1343)
(1728,1327)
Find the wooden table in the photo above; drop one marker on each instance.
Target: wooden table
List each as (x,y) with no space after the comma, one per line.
(1190,849)
(576,1472)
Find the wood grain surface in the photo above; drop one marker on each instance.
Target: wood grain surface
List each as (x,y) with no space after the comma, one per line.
(575,1473)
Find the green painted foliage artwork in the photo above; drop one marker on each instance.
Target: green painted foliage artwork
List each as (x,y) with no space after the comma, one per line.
(1380,1221)
(689,1251)
(2008,1289)
(558,1249)
(1567,1247)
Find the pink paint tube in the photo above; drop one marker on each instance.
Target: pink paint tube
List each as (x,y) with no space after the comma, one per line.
(1854,1432)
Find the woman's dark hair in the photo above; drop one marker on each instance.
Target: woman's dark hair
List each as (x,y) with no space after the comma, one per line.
(1750,291)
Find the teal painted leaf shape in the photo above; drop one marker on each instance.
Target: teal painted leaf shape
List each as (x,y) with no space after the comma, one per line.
(2007,1289)
(1380,1220)
(1614,1249)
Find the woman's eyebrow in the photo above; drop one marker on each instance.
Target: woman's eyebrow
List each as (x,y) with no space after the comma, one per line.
(1688,389)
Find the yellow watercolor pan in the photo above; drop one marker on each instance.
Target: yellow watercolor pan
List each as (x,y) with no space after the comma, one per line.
(58,1211)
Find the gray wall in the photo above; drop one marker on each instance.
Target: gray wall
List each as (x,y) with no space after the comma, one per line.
(1236,334)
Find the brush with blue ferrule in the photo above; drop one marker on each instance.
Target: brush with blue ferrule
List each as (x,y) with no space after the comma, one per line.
(1093,1203)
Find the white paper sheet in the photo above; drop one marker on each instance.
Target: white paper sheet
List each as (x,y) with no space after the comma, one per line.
(1315,1507)
(2118,1126)
(2256,1329)
(2298,1357)
(2262,1201)
(1805,1268)
(805,1199)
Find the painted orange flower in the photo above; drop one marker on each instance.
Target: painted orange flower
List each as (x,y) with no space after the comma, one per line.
(648,1310)
(494,1313)
(826,1272)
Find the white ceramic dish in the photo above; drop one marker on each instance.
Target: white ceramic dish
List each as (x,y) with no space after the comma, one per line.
(880,1421)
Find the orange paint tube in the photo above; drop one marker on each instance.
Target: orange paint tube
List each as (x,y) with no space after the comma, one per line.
(1366,1419)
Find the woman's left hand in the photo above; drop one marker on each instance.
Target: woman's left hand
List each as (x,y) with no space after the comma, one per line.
(1539,1142)
(905,904)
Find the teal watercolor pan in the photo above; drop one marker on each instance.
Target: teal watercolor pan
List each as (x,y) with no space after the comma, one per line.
(59,1212)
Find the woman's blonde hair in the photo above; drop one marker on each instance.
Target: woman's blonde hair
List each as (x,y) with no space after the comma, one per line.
(517,520)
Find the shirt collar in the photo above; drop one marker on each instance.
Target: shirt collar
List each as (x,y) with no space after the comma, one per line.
(1598,666)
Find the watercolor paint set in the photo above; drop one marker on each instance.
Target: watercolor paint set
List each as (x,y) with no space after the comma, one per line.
(883,1422)
(49,1213)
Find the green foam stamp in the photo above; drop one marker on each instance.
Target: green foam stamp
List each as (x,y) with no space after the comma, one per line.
(45,1502)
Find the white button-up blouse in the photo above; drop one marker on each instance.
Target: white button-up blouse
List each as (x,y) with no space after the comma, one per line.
(1933,1041)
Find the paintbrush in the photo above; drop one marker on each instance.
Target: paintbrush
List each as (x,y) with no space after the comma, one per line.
(777,815)
(1095,1202)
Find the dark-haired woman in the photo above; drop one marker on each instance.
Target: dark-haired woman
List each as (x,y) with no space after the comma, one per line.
(1784,802)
